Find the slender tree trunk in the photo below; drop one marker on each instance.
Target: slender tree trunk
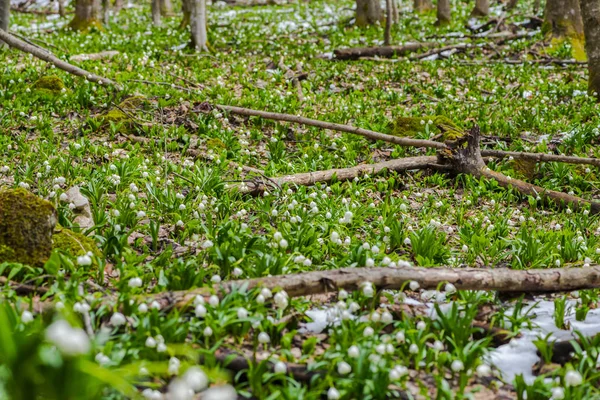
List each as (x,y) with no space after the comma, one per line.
(368,12)
(198,25)
(61,8)
(186,9)
(156,12)
(482,8)
(106,12)
(4,17)
(444,13)
(422,6)
(395,12)
(87,15)
(512,4)
(562,18)
(590,9)
(387,38)
(166,8)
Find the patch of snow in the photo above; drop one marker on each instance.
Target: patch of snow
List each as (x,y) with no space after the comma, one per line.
(519,356)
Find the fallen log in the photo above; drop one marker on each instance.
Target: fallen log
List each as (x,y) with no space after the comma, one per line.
(380,51)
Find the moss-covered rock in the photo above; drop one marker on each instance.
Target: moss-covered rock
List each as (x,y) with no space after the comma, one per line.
(50,85)
(441,125)
(84,24)
(74,243)
(26,227)
(121,115)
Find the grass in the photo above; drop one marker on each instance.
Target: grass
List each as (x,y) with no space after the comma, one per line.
(166,220)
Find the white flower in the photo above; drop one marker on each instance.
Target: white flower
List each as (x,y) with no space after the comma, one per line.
(200,311)
(368,331)
(449,288)
(387,317)
(207,244)
(213,301)
(150,342)
(260,299)
(280,367)
(242,313)
(26,317)
(69,341)
(367,289)
(277,236)
(281,299)
(143,308)
(370,263)
(573,378)
(174,365)
(207,331)
(102,359)
(407,241)
(141,214)
(333,394)
(84,260)
(421,325)
(413,349)
(400,337)
(135,282)
(237,272)
(483,370)
(264,338)
(353,351)
(195,379)
(457,366)
(558,393)
(117,319)
(283,244)
(344,368)
(266,293)
(225,392)
(161,348)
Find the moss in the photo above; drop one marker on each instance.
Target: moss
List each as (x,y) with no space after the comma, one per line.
(49,85)
(74,243)
(215,144)
(118,115)
(26,226)
(84,25)
(412,126)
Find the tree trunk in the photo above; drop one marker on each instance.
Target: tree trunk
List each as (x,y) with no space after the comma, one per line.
(368,12)
(156,12)
(4,17)
(562,18)
(395,12)
(387,38)
(482,8)
(106,12)
(87,15)
(444,13)
(61,8)
(166,8)
(511,4)
(590,9)
(422,6)
(186,9)
(198,25)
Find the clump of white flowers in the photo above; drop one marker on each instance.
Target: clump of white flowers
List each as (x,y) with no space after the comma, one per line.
(68,340)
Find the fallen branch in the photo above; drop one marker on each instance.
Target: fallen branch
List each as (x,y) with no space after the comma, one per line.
(538,157)
(380,51)
(23,289)
(309,283)
(43,54)
(341,174)
(95,56)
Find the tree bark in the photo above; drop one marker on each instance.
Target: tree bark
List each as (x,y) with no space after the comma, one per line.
(444,12)
(512,4)
(395,12)
(156,12)
(562,18)
(61,8)
(186,10)
(354,53)
(87,15)
(166,8)
(482,8)
(422,6)
(4,17)
(368,12)
(590,10)
(106,12)
(387,37)
(198,25)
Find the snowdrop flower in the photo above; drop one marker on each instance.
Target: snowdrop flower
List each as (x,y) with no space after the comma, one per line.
(141,214)
(573,378)
(558,393)
(400,337)
(344,368)
(224,392)
(213,301)
(84,260)
(375,317)
(102,359)
(117,319)
(68,340)
(414,286)
(155,305)
(407,241)
(26,317)
(342,294)
(161,348)
(457,366)
(277,236)
(370,263)
(449,288)
(438,345)
(421,325)
(333,394)
(135,282)
(353,351)
(174,365)
(215,279)
(367,289)
(143,308)
(483,370)
(150,342)
(195,379)
(207,331)
(200,311)
(368,332)
(413,349)
(260,299)
(307,262)
(237,272)
(242,313)
(280,367)
(387,317)
(264,338)
(207,244)
(266,292)
(63,197)
(281,299)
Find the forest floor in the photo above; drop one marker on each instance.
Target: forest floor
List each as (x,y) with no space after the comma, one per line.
(160,169)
